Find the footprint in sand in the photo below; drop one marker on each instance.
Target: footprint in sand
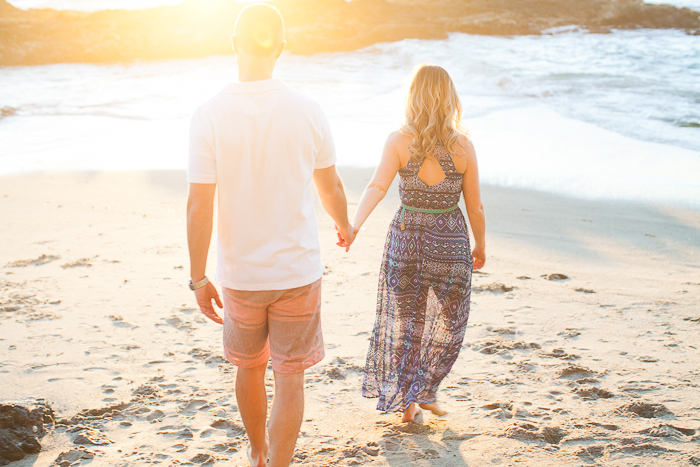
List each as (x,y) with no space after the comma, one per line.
(189,408)
(560,354)
(569,333)
(644,410)
(501,331)
(593,393)
(229,447)
(502,410)
(82,262)
(43,259)
(496,287)
(180,432)
(555,277)
(575,372)
(119,322)
(667,431)
(233,429)
(527,431)
(500,346)
(178,323)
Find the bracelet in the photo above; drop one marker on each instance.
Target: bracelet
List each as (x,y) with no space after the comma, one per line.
(198,285)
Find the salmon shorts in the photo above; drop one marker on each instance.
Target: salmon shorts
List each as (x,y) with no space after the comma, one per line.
(284,325)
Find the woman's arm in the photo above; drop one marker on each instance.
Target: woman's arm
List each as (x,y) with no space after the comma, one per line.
(475,208)
(388,166)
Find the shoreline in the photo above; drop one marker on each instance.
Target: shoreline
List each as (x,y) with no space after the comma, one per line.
(548,367)
(521,148)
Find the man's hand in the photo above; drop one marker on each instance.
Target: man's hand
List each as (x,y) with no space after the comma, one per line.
(204,297)
(346,236)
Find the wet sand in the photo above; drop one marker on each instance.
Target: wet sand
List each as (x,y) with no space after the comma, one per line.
(597,368)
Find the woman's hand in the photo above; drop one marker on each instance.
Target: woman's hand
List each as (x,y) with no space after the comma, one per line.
(478,257)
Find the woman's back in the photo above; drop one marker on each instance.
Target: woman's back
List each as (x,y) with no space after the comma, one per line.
(432,183)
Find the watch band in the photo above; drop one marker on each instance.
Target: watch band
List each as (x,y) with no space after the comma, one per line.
(198,285)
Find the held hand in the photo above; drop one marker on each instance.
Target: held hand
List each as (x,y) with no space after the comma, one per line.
(204,297)
(346,235)
(478,257)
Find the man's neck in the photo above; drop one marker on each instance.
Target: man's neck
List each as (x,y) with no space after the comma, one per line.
(253,75)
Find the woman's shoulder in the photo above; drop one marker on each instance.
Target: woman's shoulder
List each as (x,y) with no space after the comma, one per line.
(398,143)
(464,145)
(399,137)
(463,151)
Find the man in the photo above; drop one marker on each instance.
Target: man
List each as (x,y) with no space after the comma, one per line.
(262,143)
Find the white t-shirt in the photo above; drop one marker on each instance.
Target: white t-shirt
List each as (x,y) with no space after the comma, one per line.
(260,142)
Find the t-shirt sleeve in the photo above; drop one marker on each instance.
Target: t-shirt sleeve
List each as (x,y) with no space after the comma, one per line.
(326,156)
(201,167)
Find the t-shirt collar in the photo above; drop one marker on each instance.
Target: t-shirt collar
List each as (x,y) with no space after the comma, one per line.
(255,86)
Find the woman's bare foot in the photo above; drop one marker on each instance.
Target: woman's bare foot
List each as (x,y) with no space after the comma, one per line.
(410,413)
(435,408)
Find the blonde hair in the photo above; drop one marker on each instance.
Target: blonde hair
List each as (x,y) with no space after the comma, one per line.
(433,112)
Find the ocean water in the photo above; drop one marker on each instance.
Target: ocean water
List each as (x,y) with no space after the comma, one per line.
(96,5)
(612,116)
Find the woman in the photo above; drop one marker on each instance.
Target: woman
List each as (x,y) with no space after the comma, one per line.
(425,277)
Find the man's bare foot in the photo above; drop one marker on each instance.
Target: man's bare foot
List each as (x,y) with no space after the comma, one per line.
(260,460)
(410,413)
(435,408)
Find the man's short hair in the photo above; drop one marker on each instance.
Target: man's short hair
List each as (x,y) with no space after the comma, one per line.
(259,29)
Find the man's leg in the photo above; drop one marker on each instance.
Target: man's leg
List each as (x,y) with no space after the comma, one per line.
(252,404)
(286,417)
(296,343)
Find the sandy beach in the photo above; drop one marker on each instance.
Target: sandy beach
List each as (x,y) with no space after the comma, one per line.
(582,347)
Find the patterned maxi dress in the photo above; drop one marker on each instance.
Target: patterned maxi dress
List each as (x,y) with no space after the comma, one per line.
(424,291)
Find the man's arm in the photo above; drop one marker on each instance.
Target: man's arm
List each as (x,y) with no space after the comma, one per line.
(200,221)
(332,193)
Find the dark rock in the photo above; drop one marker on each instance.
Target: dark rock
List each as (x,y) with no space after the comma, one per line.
(192,29)
(20,428)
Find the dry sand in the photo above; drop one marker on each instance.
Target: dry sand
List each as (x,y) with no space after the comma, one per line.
(600,368)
